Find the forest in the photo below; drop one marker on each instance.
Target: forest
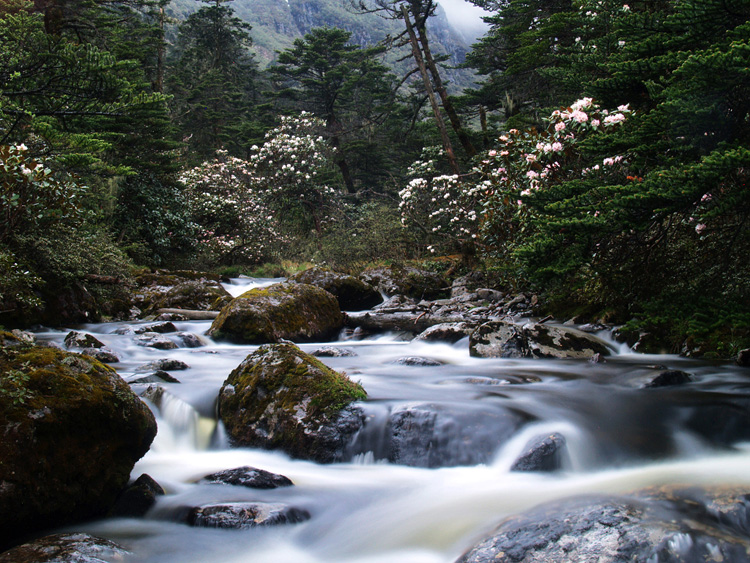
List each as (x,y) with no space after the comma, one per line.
(600,161)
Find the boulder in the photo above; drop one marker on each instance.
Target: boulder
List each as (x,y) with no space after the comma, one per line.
(541,454)
(250,477)
(104,355)
(75,339)
(177,290)
(166,364)
(290,311)
(446,435)
(281,398)
(498,339)
(66,548)
(137,498)
(546,341)
(417,361)
(333,352)
(242,515)
(72,430)
(502,339)
(154,340)
(743,358)
(668,526)
(164,327)
(447,332)
(352,293)
(406,280)
(668,378)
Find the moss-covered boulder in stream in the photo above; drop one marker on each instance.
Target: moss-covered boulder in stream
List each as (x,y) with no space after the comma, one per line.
(289,311)
(282,398)
(409,281)
(71,432)
(352,293)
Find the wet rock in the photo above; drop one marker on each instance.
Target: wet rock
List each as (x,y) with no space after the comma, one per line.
(179,290)
(333,352)
(72,430)
(498,339)
(66,548)
(668,378)
(171,317)
(592,327)
(242,515)
(159,376)
(104,355)
(154,340)
(541,454)
(167,364)
(190,340)
(291,311)
(404,280)
(447,332)
(417,361)
(490,294)
(352,293)
(668,526)
(545,341)
(502,339)
(159,328)
(743,358)
(446,435)
(198,295)
(250,477)
(281,398)
(137,498)
(75,339)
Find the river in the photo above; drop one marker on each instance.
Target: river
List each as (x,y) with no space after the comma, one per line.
(620,438)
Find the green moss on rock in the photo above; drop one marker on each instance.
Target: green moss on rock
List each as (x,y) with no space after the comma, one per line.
(282,398)
(71,432)
(283,311)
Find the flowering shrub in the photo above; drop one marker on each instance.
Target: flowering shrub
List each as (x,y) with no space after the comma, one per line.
(238,203)
(292,166)
(444,207)
(497,202)
(234,222)
(32,195)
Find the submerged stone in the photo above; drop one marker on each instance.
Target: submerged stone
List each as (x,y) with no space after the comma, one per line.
(241,515)
(250,477)
(541,454)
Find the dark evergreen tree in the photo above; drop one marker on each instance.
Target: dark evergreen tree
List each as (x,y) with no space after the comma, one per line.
(212,77)
(345,85)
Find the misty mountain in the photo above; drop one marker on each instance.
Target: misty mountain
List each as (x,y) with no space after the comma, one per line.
(277,23)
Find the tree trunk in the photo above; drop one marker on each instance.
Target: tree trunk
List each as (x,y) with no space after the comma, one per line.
(416,51)
(463,137)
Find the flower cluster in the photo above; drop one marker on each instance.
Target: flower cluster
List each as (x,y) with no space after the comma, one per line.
(445,205)
(237,202)
(491,202)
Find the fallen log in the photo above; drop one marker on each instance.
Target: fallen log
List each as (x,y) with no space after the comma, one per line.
(191,314)
(402,322)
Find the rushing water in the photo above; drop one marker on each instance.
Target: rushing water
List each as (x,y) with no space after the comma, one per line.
(619,438)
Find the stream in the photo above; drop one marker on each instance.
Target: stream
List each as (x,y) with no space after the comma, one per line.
(620,438)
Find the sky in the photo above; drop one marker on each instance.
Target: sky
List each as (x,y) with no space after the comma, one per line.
(465,16)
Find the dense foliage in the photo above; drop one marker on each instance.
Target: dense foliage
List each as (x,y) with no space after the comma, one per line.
(613,178)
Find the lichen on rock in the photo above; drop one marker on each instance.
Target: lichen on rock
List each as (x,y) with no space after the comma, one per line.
(282,398)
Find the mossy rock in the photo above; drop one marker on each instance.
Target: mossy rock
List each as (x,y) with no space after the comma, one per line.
(72,431)
(198,295)
(282,398)
(283,311)
(352,293)
(409,281)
